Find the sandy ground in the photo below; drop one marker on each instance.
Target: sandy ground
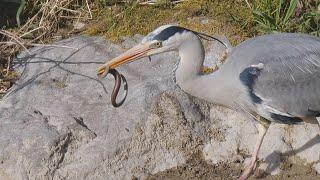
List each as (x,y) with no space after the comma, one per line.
(196,168)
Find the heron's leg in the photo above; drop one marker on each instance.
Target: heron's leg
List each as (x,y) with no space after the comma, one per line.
(262,128)
(318,119)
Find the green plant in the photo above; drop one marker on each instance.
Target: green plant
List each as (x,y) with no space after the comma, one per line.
(274,17)
(309,20)
(22,5)
(286,16)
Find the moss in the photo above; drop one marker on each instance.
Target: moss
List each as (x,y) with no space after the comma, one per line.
(209,70)
(223,17)
(13,75)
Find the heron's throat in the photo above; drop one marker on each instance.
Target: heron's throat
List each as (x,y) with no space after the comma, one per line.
(192,55)
(189,74)
(190,67)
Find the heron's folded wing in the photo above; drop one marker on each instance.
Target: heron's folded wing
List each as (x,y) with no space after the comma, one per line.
(290,84)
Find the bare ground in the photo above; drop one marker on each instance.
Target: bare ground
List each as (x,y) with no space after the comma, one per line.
(197,168)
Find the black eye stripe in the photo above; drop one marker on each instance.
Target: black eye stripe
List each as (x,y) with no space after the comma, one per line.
(168,32)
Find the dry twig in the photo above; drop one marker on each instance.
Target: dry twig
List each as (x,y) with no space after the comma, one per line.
(155,2)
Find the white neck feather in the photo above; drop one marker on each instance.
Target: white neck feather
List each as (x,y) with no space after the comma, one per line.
(189,75)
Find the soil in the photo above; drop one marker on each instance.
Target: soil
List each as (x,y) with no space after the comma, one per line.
(197,168)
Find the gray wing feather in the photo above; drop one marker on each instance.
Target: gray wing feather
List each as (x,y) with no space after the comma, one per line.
(289,81)
(292,87)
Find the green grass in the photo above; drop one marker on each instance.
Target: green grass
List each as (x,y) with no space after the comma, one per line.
(272,16)
(117,21)
(232,18)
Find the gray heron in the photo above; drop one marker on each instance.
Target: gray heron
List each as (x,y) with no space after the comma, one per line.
(274,78)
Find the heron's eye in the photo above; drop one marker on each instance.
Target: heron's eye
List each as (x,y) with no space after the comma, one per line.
(156,45)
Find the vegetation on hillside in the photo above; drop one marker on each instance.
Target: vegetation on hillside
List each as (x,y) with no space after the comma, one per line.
(220,17)
(235,18)
(44,21)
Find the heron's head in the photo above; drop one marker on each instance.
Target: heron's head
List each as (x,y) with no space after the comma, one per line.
(163,39)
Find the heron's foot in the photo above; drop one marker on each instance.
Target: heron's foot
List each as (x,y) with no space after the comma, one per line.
(103,71)
(248,170)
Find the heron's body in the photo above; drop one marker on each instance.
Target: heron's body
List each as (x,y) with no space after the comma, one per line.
(285,89)
(274,78)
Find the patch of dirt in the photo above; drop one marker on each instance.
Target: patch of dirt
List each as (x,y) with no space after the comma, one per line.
(198,168)
(295,171)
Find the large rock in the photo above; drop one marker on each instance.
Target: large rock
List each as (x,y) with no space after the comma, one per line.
(57,122)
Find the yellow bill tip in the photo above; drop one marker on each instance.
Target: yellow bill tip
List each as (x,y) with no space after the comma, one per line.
(102,71)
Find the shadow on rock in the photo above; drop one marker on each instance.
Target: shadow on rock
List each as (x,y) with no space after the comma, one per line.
(274,157)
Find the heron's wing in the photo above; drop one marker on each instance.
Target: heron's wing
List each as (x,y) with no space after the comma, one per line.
(286,83)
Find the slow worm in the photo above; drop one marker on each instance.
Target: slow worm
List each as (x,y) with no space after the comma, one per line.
(118,78)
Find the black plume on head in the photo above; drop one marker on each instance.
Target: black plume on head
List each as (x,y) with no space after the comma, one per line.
(168,32)
(172,30)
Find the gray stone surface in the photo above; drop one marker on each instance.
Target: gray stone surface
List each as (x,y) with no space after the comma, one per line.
(57,122)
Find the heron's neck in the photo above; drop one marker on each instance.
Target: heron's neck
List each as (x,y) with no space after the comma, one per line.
(190,77)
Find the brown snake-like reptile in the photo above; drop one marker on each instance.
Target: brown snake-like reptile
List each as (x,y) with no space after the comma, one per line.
(117,78)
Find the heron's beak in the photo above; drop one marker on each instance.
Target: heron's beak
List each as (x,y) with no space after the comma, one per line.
(137,52)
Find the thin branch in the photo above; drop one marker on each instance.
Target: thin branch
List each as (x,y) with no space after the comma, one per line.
(89,9)
(40,45)
(70,10)
(73,17)
(8,66)
(248,4)
(16,39)
(24,34)
(176,2)
(153,2)
(52,45)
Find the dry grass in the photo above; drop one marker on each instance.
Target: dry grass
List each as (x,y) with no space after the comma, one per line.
(46,18)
